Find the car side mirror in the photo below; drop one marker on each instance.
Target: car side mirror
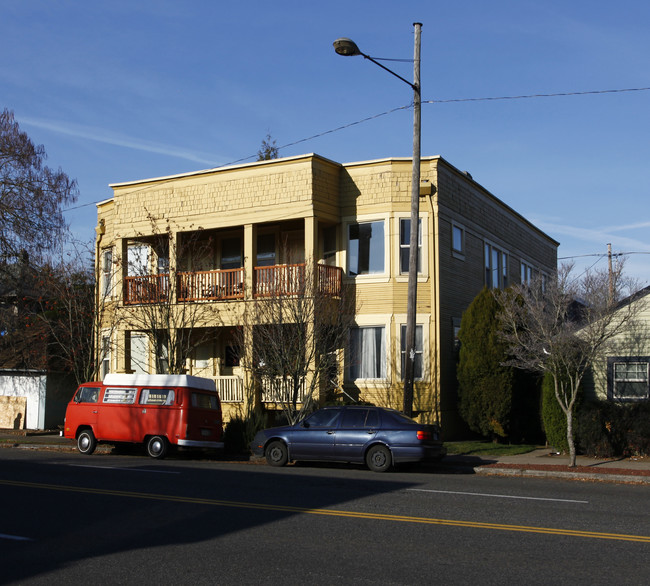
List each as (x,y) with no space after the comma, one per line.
(304,424)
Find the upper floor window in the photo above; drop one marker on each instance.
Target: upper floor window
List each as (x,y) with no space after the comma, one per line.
(266,250)
(457,239)
(527,272)
(138,260)
(107,271)
(231,253)
(366,246)
(496,267)
(329,245)
(405,245)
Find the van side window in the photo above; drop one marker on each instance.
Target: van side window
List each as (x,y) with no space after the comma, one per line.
(204,401)
(157,397)
(123,396)
(87,395)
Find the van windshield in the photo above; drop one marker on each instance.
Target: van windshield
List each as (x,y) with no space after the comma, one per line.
(203,401)
(87,395)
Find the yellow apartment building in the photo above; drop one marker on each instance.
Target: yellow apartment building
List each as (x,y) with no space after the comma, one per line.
(256,221)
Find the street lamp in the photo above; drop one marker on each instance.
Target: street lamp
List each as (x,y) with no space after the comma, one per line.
(348,48)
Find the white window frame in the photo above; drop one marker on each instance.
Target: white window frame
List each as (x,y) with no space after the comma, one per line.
(139,359)
(424,321)
(423,248)
(612,378)
(107,272)
(368,277)
(458,252)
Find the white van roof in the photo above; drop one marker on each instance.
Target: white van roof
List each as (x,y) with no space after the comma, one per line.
(160,380)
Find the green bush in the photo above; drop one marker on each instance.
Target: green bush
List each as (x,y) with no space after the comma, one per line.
(239,432)
(554,419)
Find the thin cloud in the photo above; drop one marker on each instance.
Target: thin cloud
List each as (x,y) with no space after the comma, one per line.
(104,136)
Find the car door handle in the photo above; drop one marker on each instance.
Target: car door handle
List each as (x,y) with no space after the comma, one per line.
(330,432)
(371,431)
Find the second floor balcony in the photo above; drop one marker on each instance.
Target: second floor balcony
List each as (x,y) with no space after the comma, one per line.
(223,285)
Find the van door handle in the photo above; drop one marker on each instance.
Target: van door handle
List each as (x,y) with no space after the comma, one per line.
(95,412)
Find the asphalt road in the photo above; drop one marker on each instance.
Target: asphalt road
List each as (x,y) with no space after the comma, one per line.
(105,519)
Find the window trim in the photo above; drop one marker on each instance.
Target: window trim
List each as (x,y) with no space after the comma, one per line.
(502,269)
(385,344)
(611,362)
(458,253)
(370,277)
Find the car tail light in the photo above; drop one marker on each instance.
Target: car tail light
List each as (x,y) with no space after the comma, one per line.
(424,435)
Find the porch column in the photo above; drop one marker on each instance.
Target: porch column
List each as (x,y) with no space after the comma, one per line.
(250,253)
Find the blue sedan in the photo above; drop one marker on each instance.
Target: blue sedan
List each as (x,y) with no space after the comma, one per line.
(376,436)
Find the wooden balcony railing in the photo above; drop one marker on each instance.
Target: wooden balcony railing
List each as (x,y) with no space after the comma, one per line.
(211,285)
(146,289)
(220,285)
(280,390)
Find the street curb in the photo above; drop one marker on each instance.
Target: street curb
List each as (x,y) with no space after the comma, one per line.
(524,472)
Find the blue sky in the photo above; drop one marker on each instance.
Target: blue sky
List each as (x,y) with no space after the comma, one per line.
(126,90)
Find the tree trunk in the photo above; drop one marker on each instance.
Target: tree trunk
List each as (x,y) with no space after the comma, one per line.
(569,437)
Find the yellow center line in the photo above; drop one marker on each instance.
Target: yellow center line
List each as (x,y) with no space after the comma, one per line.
(333,512)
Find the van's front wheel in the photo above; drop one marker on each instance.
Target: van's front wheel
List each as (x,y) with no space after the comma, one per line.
(157,446)
(86,442)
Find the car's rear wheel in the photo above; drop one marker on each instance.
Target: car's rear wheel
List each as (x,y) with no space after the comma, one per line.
(277,454)
(86,442)
(157,446)
(379,459)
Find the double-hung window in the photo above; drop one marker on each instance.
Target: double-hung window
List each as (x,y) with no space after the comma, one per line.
(496,267)
(366,246)
(418,368)
(628,378)
(405,245)
(107,272)
(368,353)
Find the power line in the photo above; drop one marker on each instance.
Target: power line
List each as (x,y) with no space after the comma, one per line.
(447,101)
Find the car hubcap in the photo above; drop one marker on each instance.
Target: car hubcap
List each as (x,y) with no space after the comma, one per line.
(276,454)
(84,442)
(156,447)
(380,459)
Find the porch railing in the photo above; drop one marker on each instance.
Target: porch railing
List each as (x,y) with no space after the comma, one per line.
(225,284)
(230,389)
(280,390)
(211,285)
(146,289)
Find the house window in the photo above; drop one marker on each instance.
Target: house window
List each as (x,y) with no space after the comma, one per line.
(405,245)
(367,353)
(527,273)
(329,245)
(418,369)
(139,354)
(106,356)
(231,253)
(266,250)
(366,248)
(107,271)
(458,239)
(203,357)
(628,379)
(138,260)
(496,267)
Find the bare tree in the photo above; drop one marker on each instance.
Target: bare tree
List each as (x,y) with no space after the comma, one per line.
(299,325)
(562,326)
(31,195)
(173,315)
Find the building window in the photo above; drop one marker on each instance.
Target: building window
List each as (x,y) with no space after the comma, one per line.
(527,273)
(329,245)
(266,250)
(367,353)
(458,239)
(405,245)
(366,248)
(106,356)
(496,267)
(139,354)
(231,253)
(107,272)
(628,378)
(418,368)
(137,260)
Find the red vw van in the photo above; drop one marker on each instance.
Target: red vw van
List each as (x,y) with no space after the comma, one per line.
(158,410)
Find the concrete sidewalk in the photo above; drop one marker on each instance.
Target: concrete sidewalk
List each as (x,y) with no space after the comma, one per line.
(538,463)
